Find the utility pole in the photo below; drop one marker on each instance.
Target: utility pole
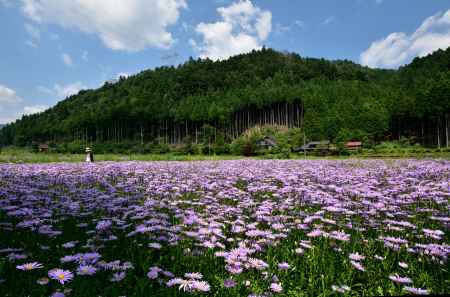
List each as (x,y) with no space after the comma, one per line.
(304,143)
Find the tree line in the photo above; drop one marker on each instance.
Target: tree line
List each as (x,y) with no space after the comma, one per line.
(224,98)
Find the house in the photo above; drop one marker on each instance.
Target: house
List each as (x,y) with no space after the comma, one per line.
(267,143)
(43,147)
(353,145)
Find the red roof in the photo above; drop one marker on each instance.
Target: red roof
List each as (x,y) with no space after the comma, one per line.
(353,144)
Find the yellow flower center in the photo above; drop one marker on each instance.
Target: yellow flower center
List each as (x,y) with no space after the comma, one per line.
(61,276)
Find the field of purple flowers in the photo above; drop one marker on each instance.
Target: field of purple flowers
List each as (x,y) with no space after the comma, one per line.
(229,228)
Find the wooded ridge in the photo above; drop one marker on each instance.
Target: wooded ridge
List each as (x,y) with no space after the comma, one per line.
(262,87)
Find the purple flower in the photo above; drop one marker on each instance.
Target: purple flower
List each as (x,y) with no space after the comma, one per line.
(193,275)
(283,266)
(338,235)
(400,279)
(356,257)
(199,286)
(62,276)
(29,266)
(153,272)
(86,270)
(416,291)
(118,276)
(103,225)
(229,283)
(257,264)
(175,281)
(275,287)
(358,265)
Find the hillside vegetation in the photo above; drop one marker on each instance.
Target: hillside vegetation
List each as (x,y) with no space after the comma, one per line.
(201,98)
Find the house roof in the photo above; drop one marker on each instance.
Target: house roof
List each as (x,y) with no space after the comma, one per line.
(354,143)
(268,141)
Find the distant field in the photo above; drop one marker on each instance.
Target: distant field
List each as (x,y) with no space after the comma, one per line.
(23,156)
(50,158)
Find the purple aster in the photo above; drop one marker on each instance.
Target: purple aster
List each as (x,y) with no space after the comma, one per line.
(257,264)
(62,276)
(153,272)
(400,279)
(356,257)
(193,275)
(358,265)
(338,235)
(283,266)
(86,270)
(229,283)
(175,281)
(199,286)
(416,291)
(103,225)
(29,266)
(118,276)
(275,287)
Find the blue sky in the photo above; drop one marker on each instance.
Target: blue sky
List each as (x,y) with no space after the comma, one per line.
(53,48)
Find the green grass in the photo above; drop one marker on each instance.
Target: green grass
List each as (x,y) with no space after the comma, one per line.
(23,156)
(16,155)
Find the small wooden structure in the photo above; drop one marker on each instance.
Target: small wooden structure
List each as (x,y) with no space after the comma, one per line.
(353,145)
(43,148)
(89,155)
(267,143)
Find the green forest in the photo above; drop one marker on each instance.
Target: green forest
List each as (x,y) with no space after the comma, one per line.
(216,102)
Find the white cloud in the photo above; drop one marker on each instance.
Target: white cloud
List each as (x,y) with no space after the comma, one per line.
(9,102)
(399,48)
(64,91)
(8,96)
(34,109)
(131,25)
(242,28)
(122,74)
(67,59)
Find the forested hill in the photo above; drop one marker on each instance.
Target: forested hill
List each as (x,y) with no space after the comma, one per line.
(322,97)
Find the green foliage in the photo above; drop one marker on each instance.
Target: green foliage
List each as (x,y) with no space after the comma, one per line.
(335,95)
